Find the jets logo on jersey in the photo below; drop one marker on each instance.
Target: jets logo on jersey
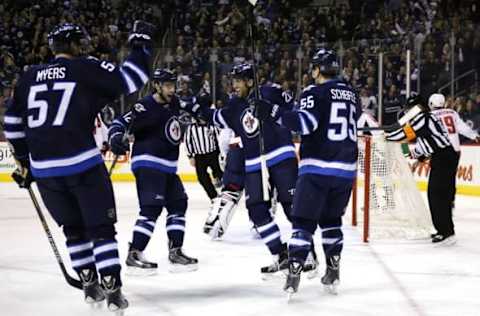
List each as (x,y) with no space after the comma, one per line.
(173,131)
(139,107)
(250,123)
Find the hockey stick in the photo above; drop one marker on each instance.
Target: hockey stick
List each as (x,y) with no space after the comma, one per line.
(70,280)
(380,128)
(125,137)
(261,141)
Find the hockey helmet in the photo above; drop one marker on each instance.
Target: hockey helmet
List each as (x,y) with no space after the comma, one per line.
(326,61)
(164,75)
(436,101)
(65,34)
(242,71)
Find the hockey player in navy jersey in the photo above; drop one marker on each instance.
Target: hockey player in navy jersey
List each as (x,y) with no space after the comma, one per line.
(157,133)
(49,125)
(327,120)
(280,154)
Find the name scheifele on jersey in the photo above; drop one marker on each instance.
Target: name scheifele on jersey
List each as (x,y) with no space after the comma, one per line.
(51,114)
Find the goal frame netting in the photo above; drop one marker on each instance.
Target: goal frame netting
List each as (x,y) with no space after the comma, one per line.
(403,213)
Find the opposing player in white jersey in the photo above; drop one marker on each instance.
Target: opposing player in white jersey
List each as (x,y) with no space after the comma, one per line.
(454,125)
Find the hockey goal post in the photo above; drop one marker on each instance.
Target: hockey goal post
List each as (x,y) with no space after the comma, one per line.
(385,198)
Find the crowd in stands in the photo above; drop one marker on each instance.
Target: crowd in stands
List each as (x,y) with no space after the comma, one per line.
(358,30)
(24,26)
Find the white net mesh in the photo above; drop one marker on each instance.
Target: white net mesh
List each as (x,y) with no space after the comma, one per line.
(397,209)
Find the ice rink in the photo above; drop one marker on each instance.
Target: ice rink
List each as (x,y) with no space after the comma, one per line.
(380,278)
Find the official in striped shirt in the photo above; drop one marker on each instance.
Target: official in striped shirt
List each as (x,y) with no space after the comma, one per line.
(432,143)
(202,150)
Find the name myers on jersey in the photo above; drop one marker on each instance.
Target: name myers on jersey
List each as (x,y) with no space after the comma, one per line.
(346,95)
(51,73)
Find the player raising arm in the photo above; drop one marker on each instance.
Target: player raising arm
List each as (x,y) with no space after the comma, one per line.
(49,125)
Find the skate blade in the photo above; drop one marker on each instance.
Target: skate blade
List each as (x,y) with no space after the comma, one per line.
(180,268)
(332,288)
(290,292)
(140,272)
(447,242)
(117,310)
(95,305)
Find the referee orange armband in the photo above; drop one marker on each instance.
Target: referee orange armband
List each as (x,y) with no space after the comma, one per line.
(409,132)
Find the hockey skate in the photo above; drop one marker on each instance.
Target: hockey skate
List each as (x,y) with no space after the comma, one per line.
(137,265)
(179,262)
(277,268)
(91,288)
(115,299)
(293,278)
(226,209)
(331,279)
(440,240)
(212,217)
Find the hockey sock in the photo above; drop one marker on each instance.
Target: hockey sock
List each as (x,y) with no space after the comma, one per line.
(299,245)
(144,227)
(81,254)
(270,234)
(332,239)
(175,230)
(106,258)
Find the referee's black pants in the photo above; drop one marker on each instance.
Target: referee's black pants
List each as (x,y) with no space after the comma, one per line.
(202,162)
(441,189)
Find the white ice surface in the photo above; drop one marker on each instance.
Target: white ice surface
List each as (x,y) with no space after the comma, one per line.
(380,278)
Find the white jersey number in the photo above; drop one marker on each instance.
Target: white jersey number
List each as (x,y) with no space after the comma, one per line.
(42,105)
(346,122)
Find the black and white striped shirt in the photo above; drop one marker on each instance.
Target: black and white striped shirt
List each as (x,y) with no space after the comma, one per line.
(427,130)
(200,139)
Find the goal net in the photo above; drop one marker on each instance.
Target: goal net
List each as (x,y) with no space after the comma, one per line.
(386,199)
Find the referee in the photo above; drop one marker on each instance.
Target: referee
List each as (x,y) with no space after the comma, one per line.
(203,151)
(432,143)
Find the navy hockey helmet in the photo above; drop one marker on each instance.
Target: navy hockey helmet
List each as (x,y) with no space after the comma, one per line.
(64,34)
(242,71)
(326,61)
(164,75)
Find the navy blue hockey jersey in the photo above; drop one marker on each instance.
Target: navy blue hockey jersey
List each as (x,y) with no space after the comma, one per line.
(55,105)
(157,133)
(239,116)
(327,119)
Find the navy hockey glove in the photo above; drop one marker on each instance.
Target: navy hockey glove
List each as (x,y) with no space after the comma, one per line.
(22,175)
(105,148)
(119,144)
(142,34)
(267,111)
(190,105)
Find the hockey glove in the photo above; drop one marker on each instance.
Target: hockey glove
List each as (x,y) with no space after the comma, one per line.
(22,175)
(142,34)
(119,144)
(267,111)
(190,105)
(105,148)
